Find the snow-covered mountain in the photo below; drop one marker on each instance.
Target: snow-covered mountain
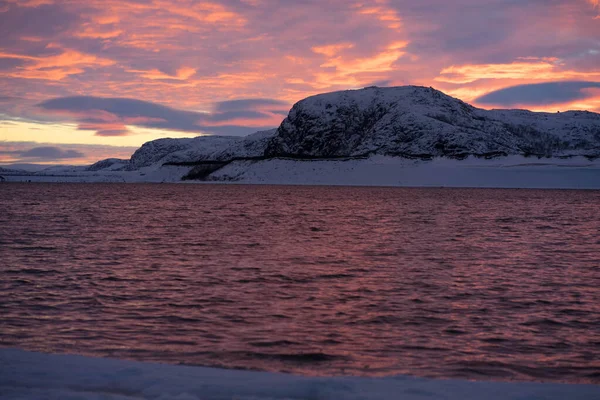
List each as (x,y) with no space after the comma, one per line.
(12,171)
(419,122)
(408,121)
(386,136)
(109,164)
(201,148)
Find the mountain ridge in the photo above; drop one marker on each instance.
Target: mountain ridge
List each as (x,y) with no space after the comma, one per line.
(406,121)
(413,121)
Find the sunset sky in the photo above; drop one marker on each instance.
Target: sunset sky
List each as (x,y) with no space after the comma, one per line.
(82,80)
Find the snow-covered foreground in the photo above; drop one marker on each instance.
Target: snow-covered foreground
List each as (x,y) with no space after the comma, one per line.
(25,376)
(505,172)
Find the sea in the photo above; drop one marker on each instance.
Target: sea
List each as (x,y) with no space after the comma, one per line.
(478,284)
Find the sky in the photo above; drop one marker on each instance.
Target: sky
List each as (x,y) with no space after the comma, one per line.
(81,80)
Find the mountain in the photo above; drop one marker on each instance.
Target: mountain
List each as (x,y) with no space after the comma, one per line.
(14,171)
(24,167)
(109,164)
(419,122)
(201,148)
(410,122)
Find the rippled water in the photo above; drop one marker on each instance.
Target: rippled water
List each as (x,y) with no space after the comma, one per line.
(479,284)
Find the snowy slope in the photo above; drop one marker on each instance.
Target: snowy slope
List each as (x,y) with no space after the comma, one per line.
(12,171)
(503,172)
(109,164)
(421,122)
(201,148)
(27,376)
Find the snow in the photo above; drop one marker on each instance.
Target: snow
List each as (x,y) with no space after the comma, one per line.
(216,148)
(505,172)
(152,174)
(26,375)
(110,164)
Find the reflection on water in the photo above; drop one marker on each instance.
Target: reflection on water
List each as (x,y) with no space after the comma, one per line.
(479,284)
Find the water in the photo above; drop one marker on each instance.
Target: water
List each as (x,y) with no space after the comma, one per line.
(455,283)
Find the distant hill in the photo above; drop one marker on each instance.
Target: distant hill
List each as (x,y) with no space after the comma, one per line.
(419,122)
(408,121)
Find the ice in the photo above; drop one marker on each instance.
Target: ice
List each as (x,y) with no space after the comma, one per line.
(27,376)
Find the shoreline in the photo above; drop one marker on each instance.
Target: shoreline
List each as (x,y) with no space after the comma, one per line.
(516,172)
(25,375)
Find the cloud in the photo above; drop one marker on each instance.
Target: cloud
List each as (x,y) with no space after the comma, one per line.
(182,74)
(40,153)
(7,99)
(245,104)
(31,3)
(110,116)
(51,152)
(44,153)
(527,68)
(194,56)
(96,112)
(383,12)
(539,94)
(35,20)
(112,132)
(54,67)
(349,70)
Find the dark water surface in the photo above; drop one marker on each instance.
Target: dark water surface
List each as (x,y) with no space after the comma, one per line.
(467,283)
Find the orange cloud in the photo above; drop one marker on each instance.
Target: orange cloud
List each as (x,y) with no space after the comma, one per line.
(182,74)
(93,32)
(345,69)
(233,80)
(526,69)
(107,19)
(206,12)
(332,49)
(31,3)
(590,103)
(69,62)
(383,13)
(155,25)
(471,93)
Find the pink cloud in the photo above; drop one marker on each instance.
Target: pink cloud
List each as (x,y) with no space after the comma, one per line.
(189,55)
